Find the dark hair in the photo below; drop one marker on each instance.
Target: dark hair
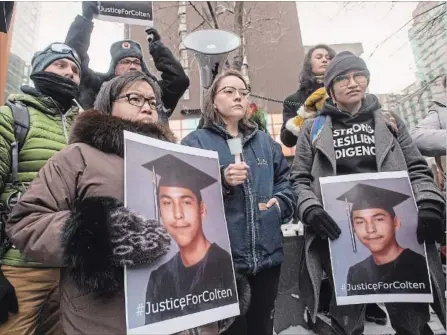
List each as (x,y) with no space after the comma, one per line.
(112,89)
(307,78)
(211,115)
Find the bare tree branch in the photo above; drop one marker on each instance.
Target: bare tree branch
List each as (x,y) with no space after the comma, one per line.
(200,25)
(200,14)
(213,15)
(402,27)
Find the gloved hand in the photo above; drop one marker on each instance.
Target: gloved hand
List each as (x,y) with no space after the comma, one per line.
(430,226)
(152,35)
(316,100)
(322,223)
(90,9)
(8,299)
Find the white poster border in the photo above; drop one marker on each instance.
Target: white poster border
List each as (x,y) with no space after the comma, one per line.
(183,322)
(373,298)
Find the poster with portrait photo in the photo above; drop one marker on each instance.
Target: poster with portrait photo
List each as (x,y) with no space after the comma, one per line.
(377,257)
(194,283)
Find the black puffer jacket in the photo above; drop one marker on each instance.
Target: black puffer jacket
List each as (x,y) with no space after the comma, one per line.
(173,84)
(289,111)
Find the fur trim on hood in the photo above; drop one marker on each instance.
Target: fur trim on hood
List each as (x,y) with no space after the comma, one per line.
(106,132)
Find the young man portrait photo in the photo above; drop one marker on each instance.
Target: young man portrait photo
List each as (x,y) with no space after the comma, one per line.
(200,275)
(391,269)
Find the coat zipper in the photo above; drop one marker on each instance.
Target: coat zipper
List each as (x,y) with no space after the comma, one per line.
(64,120)
(64,124)
(252,223)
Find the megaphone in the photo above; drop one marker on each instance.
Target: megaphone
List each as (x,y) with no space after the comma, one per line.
(211,48)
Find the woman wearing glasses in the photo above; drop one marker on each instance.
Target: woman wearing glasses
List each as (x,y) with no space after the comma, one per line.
(257,195)
(73,217)
(332,151)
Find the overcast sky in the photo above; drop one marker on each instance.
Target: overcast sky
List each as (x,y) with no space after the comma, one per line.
(392,66)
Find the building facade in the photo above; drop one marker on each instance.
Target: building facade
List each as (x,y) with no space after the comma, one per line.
(428,39)
(274,54)
(23,45)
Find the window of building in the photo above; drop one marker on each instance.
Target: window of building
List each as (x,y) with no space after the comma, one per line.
(181,128)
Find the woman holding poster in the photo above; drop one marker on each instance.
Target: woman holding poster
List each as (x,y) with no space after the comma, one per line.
(351,136)
(257,195)
(73,216)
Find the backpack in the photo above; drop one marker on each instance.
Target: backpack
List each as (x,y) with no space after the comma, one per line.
(20,115)
(317,125)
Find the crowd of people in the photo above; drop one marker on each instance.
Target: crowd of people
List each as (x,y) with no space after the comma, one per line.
(63,219)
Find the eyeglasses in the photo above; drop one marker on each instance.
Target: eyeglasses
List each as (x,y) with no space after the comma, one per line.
(360,77)
(138,100)
(63,49)
(231,91)
(128,62)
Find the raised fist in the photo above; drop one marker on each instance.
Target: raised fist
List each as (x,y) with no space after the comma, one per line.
(152,35)
(90,9)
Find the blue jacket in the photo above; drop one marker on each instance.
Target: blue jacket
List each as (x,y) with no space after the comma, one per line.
(255,235)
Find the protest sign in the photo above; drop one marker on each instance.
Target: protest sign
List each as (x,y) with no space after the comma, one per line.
(194,283)
(377,257)
(129,12)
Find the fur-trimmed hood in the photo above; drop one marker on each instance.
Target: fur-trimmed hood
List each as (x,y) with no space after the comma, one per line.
(106,132)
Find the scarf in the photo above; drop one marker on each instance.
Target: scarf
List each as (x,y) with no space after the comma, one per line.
(319,78)
(61,89)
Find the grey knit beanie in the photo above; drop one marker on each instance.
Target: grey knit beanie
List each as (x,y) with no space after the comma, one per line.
(42,59)
(343,62)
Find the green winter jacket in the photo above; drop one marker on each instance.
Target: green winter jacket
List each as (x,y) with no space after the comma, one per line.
(48,134)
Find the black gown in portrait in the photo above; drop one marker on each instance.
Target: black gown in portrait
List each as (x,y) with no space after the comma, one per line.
(173,280)
(409,267)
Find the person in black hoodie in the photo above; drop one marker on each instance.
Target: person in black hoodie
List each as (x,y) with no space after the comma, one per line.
(126,56)
(378,147)
(311,79)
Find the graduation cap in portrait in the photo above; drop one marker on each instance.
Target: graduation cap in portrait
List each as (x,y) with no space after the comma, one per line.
(363,196)
(175,172)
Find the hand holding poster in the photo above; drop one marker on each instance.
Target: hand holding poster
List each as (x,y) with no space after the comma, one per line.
(129,12)
(194,283)
(377,257)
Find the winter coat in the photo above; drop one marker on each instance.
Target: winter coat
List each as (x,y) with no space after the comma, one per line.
(255,235)
(73,217)
(430,135)
(315,160)
(48,134)
(289,111)
(174,80)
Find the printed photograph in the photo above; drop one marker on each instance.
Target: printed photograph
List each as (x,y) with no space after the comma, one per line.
(377,257)
(194,283)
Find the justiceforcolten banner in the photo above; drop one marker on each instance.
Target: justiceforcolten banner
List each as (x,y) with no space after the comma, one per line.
(129,12)
(377,257)
(194,283)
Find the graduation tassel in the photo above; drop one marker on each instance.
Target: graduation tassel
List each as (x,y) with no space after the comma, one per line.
(351,229)
(154,183)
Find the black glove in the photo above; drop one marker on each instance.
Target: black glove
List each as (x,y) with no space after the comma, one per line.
(90,9)
(152,35)
(8,299)
(322,223)
(430,226)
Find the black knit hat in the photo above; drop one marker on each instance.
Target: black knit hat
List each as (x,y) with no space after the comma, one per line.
(343,62)
(42,59)
(123,49)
